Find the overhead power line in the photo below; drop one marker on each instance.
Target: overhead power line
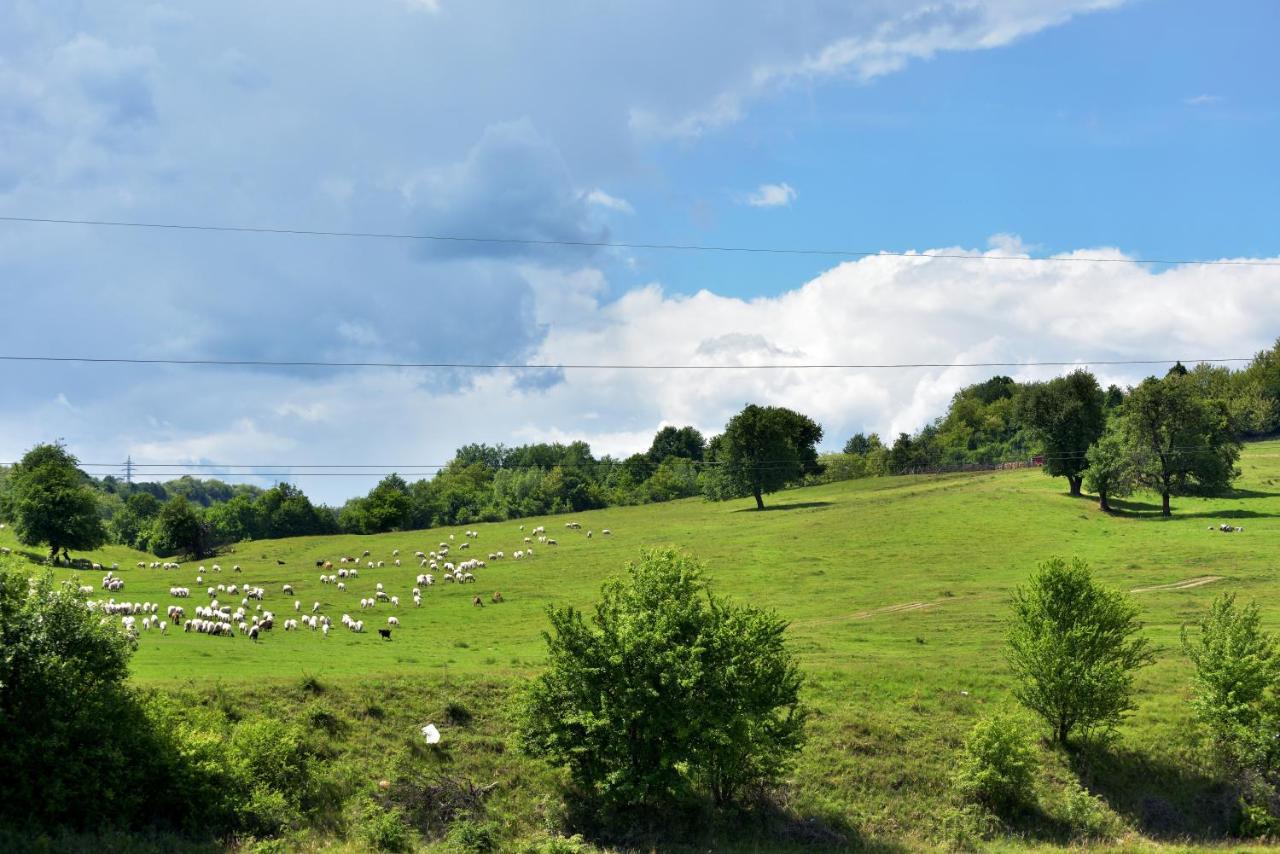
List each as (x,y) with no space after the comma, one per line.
(609,244)
(582,366)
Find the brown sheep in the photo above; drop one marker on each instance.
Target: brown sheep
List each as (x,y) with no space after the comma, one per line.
(497,597)
(475,600)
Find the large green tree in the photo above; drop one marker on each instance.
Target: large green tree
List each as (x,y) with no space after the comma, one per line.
(1066,415)
(52,502)
(1073,646)
(1182,440)
(763,449)
(665,690)
(179,529)
(1110,471)
(684,442)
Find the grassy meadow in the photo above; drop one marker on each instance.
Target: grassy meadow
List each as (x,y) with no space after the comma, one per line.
(896,589)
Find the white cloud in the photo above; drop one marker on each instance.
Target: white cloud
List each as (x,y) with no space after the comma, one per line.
(881,309)
(613,203)
(1202,100)
(429,6)
(772,196)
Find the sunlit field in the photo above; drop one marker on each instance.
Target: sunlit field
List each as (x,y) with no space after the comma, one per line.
(896,589)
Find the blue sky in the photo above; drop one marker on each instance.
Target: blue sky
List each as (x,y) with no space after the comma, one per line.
(1135,129)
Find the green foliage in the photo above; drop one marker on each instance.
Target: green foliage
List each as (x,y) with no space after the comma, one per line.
(1066,415)
(1086,814)
(675,477)
(62,679)
(1074,646)
(51,502)
(762,449)
(860,444)
(474,835)
(1237,699)
(1182,440)
(386,830)
(667,689)
(997,765)
(683,442)
(179,529)
(1110,472)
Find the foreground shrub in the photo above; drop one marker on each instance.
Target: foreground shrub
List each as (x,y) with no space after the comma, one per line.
(1237,699)
(475,836)
(385,830)
(997,765)
(1073,647)
(667,689)
(76,748)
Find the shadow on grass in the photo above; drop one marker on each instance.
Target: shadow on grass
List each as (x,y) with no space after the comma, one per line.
(1164,799)
(799,505)
(766,823)
(1145,510)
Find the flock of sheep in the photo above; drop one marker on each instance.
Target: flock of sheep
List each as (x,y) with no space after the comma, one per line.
(249,617)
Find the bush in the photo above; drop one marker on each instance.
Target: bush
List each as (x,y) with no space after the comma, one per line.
(475,836)
(1087,815)
(997,765)
(1073,648)
(667,689)
(386,830)
(1237,699)
(1236,681)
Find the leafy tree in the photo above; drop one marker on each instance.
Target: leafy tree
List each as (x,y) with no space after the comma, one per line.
(1110,471)
(1112,397)
(640,467)
(666,689)
(684,442)
(1074,646)
(131,526)
(1237,684)
(52,503)
(860,444)
(1181,439)
(1067,415)
(762,449)
(388,505)
(179,529)
(285,511)
(235,520)
(676,477)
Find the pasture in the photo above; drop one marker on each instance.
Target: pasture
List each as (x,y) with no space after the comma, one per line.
(896,589)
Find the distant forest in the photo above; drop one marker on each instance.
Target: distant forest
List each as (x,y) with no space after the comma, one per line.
(990,422)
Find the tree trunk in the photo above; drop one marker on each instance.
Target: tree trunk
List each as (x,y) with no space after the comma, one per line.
(1164,510)
(1102,501)
(1075,482)
(759,499)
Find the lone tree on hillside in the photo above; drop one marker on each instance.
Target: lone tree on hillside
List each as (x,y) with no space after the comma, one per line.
(52,503)
(1073,647)
(762,449)
(665,690)
(1066,415)
(1180,439)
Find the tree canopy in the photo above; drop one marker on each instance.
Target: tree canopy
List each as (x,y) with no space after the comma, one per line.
(1066,415)
(52,502)
(763,449)
(666,690)
(1181,440)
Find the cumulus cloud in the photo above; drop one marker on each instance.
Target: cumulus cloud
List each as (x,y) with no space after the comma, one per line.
(878,310)
(772,196)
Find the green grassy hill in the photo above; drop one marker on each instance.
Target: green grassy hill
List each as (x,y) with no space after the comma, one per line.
(897,590)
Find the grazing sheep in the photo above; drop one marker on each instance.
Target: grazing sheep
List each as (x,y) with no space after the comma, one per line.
(395,601)
(287,589)
(497,596)
(325,629)
(392,621)
(385,634)
(342,585)
(476,603)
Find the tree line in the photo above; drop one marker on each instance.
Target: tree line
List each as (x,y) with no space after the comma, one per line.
(1176,435)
